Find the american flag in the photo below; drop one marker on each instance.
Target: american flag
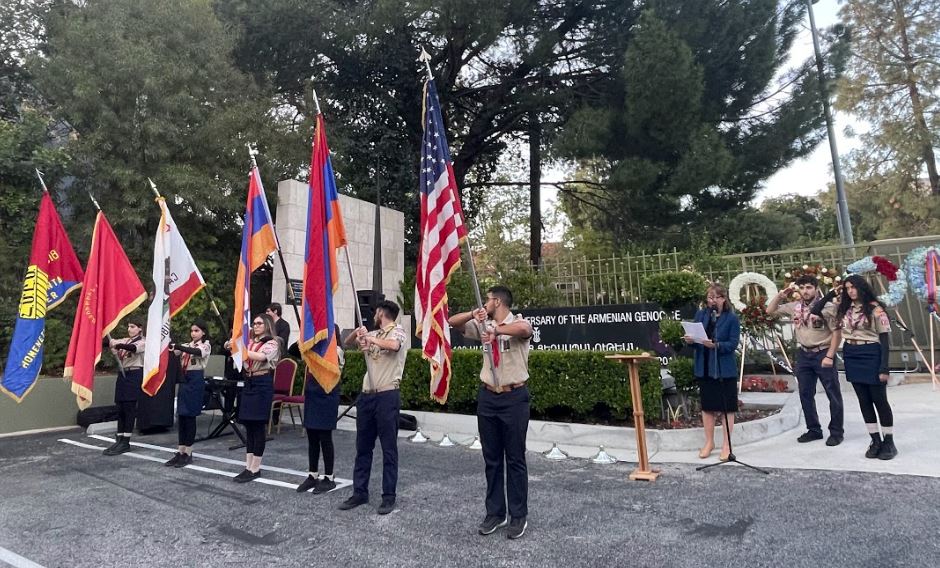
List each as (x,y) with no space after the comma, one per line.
(442,232)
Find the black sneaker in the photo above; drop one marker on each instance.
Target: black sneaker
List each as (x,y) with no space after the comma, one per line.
(810,437)
(246,476)
(324,485)
(516,528)
(353,502)
(185,459)
(174,460)
(833,440)
(888,451)
(873,449)
(307,485)
(387,506)
(491,523)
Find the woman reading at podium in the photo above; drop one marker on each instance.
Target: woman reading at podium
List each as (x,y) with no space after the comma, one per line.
(715,370)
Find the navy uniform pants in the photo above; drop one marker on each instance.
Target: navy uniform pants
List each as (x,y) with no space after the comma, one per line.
(808,369)
(503,420)
(377,417)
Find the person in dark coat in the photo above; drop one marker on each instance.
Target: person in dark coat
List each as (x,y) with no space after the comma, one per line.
(192,387)
(320,411)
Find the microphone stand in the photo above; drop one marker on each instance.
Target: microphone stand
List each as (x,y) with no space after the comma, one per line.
(724,419)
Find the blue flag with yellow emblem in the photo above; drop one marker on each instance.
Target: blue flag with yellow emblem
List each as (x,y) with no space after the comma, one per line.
(53,272)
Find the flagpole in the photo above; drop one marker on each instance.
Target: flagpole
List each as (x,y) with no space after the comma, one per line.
(205,287)
(252,152)
(108,336)
(487,350)
(42,182)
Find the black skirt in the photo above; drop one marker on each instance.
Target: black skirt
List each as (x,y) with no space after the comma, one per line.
(862,363)
(254,405)
(719,395)
(320,408)
(190,394)
(127,388)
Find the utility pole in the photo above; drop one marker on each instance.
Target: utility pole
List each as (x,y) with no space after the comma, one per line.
(842,206)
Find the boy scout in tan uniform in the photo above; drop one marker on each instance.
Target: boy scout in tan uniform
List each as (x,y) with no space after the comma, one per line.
(818,338)
(502,407)
(378,405)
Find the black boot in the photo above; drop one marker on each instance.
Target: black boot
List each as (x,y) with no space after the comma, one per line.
(887,451)
(875,447)
(123,446)
(109,451)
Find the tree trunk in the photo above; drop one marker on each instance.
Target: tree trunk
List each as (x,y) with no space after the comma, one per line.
(535,190)
(920,123)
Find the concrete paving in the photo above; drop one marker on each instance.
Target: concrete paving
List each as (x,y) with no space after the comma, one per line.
(64,504)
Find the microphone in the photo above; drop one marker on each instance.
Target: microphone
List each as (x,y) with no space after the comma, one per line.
(713,314)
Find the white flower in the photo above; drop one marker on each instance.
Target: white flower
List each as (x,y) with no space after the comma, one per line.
(825,270)
(805,267)
(787,275)
(827,280)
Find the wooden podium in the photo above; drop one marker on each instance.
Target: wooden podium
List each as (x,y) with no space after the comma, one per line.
(632,363)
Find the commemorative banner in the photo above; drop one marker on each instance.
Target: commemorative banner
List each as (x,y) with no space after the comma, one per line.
(621,327)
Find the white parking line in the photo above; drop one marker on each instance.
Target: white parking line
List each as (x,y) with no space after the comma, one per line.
(15,560)
(340,482)
(274,482)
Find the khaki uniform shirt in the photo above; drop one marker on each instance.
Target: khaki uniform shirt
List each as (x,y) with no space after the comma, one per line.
(855,325)
(811,334)
(196,362)
(387,366)
(128,359)
(272,354)
(511,358)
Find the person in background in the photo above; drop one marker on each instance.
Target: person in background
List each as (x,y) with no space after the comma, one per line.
(254,407)
(715,370)
(818,338)
(193,357)
(320,412)
(127,390)
(866,329)
(281,327)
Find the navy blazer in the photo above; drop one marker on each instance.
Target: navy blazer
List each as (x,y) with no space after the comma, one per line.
(721,362)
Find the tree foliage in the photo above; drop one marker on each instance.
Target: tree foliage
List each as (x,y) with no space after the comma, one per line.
(691,121)
(893,82)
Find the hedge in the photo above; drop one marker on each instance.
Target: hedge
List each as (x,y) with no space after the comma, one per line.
(580,386)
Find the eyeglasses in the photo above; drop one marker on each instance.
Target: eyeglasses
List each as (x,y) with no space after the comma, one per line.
(257,323)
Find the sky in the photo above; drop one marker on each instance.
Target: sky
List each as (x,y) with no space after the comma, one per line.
(806,176)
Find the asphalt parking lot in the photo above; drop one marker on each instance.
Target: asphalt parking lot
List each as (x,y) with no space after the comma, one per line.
(63,504)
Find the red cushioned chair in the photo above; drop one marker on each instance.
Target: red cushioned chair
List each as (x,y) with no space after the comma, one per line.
(284,395)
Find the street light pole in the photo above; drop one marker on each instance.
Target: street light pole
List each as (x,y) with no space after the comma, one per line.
(842,207)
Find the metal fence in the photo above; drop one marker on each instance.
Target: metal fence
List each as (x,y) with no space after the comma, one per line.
(619,279)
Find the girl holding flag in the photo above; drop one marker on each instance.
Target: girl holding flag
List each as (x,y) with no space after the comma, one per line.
(130,355)
(254,407)
(189,397)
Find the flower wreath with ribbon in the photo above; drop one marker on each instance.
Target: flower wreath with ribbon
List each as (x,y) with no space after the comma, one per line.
(923,272)
(897,282)
(739,282)
(825,276)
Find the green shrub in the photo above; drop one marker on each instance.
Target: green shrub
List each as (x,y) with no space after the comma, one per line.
(681,369)
(671,333)
(577,385)
(672,290)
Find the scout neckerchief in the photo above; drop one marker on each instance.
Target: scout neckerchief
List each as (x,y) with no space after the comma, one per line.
(186,358)
(256,346)
(374,350)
